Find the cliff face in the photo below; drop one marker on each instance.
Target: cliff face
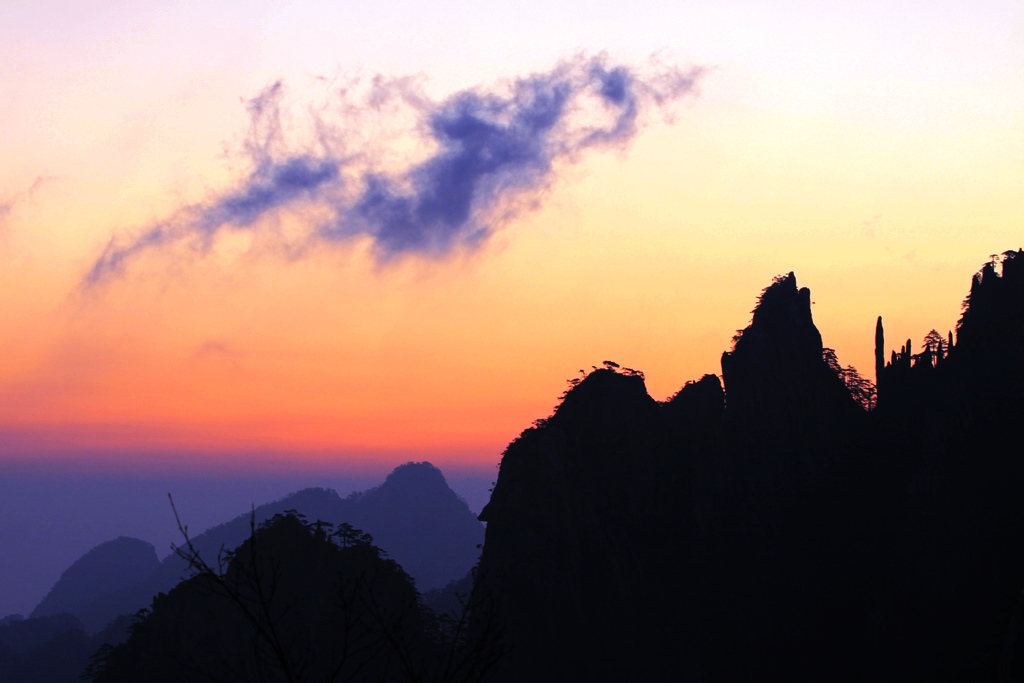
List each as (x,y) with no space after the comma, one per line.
(949,417)
(576,531)
(775,530)
(621,529)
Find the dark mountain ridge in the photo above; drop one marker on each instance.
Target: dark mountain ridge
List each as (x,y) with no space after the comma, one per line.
(793,525)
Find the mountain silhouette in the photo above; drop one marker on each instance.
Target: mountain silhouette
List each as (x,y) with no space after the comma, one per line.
(796,524)
(94,579)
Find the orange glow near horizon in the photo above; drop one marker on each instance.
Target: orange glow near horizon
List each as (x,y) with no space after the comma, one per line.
(880,164)
(433,366)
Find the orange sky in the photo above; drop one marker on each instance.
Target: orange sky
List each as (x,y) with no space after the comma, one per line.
(876,153)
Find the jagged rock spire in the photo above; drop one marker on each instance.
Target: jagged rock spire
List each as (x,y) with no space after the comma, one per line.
(879,351)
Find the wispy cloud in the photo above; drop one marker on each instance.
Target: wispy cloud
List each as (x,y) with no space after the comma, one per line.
(212,347)
(7,206)
(492,154)
(217,351)
(871,226)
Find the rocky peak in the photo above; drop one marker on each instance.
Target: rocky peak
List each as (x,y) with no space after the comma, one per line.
(776,370)
(414,477)
(782,328)
(605,396)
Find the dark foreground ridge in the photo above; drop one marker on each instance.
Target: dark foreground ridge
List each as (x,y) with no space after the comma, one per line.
(298,601)
(797,526)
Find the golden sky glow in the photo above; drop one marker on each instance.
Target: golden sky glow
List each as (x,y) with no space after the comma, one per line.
(874,148)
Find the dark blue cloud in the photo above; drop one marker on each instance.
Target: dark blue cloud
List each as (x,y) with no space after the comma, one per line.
(493,154)
(270,188)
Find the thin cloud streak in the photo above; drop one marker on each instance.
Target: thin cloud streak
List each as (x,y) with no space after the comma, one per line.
(7,207)
(493,154)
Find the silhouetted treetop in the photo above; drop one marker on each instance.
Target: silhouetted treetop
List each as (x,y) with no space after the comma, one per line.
(293,604)
(620,393)
(989,308)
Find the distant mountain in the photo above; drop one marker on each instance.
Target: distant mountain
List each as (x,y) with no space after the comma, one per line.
(95,577)
(420,522)
(414,516)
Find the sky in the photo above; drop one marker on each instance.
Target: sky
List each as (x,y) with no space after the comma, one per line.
(255,238)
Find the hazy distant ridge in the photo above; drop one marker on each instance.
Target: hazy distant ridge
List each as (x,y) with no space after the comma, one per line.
(414,516)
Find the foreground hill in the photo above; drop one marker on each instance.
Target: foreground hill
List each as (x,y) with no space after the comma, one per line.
(297,602)
(50,649)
